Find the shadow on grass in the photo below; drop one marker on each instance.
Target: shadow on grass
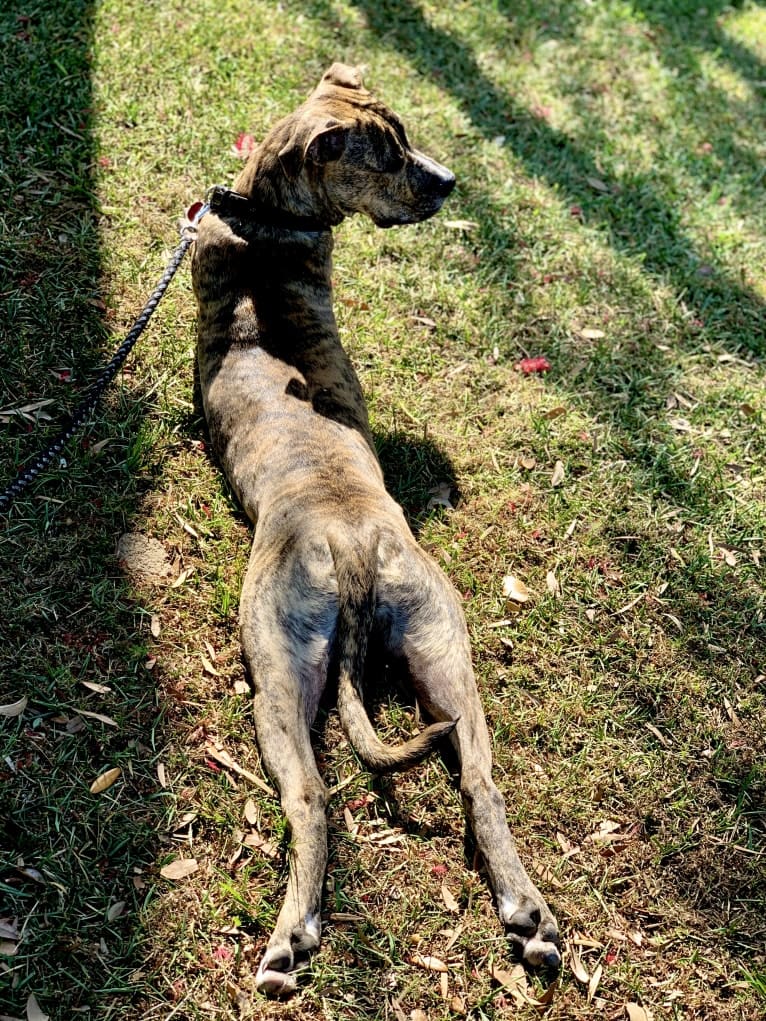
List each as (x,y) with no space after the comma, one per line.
(414,470)
(68,858)
(636,219)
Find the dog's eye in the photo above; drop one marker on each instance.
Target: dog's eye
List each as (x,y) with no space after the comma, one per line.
(389,163)
(394,162)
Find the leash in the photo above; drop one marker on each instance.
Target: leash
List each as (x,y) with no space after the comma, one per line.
(94,394)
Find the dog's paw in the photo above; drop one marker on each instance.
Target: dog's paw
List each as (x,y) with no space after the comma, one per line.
(274,982)
(534,936)
(277,971)
(275,976)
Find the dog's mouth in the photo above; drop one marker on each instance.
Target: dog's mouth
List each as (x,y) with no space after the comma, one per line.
(409,216)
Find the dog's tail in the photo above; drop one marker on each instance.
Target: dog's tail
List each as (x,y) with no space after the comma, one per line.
(356,572)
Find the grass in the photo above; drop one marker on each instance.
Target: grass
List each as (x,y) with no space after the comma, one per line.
(610,165)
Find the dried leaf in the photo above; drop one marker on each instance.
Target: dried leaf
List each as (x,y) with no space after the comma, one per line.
(729,556)
(460,224)
(100,689)
(155,626)
(182,577)
(400,1015)
(223,757)
(580,940)
(527,462)
(8,948)
(260,843)
(424,321)
(8,929)
(454,935)
(515,589)
(418,1015)
(428,962)
(179,869)
(566,845)
(457,1005)
(14,708)
(552,584)
(556,412)
(681,425)
(594,981)
(449,901)
(597,184)
(579,970)
(440,497)
(30,873)
(444,985)
(515,981)
(98,716)
(558,474)
(509,979)
(351,825)
(251,812)
(636,1012)
(34,1012)
(606,833)
(115,910)
(237,996)
(208,667)
(590,613)
(187,527)
(589,333)
(241,687)
(161,776)
(105,780)
(547,997)
(545,874)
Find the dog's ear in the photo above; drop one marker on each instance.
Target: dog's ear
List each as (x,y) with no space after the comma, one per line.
(323,145)
(343,75)
(327,144)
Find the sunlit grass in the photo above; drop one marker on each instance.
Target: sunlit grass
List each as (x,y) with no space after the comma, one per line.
(610,167)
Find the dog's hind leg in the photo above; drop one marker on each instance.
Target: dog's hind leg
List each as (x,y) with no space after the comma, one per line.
(285,746)
(436,647)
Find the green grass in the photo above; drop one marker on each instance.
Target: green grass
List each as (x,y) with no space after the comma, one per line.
(611,159)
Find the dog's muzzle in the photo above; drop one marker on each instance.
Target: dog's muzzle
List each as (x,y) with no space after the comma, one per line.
(432,176)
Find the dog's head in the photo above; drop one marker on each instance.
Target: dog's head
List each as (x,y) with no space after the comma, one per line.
(351,154)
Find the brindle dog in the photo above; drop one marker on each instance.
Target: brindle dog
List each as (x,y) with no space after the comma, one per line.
(333,559)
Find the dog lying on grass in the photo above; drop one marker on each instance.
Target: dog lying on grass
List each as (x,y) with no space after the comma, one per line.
(332,559)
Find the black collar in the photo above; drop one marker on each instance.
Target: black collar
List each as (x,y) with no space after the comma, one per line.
(230,204)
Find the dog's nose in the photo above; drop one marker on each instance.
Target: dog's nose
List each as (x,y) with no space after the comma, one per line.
(446,183)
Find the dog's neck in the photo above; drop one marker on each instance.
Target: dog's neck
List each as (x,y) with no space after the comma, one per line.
(264,182)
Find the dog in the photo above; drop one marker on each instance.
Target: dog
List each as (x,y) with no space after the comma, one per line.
(333,561)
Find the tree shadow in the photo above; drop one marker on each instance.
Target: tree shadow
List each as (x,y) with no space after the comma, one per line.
(634,216)
(69,626)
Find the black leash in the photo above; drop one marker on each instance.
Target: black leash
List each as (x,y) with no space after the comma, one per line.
(96,391)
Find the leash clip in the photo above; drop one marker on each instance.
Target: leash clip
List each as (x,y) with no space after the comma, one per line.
(193,215)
